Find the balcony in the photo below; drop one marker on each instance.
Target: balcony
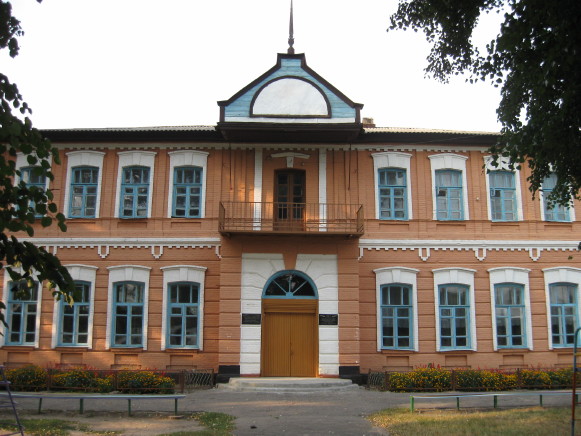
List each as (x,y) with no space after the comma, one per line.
(240,217)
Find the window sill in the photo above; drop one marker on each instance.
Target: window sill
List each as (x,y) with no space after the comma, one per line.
(398,352)
(512,350)
(457,351)
(18,347)
(506,223)
(72,348)
(182,350)
(122,348)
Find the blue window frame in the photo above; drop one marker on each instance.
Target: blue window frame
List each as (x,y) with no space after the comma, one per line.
(449,201)
(454,316)
(553,212)
(31,178)
(289,284)
(74,320)
(187,192)
(397,316)
(563,300)
(503,196)
(183,313)
(134,192)
(510,315)
(22,313)
(392,194)
(83,200)
(128,314)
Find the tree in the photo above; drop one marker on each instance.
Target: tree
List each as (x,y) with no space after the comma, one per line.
(535,60)
(22,204)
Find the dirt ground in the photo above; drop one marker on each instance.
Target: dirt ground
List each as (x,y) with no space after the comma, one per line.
(118,423)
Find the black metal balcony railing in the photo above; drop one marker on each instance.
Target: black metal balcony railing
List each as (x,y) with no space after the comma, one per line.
(291,218)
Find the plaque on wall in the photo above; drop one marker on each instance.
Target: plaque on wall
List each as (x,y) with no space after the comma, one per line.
(328,319)
(251,318)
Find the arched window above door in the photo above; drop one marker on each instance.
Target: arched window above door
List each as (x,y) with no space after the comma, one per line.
(289,284)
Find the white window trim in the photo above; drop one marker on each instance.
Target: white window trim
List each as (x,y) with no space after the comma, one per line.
(518,276)
(503,165)
(85,273)
(402,275)
(560,274)
(461,276)
(392,159)
(5,290)
(125,273)
(83,159)
(188,158)
(22,162)
(183,273)
(135,158)
(449,161)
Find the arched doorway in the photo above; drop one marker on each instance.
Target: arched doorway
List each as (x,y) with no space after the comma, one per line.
(289,329)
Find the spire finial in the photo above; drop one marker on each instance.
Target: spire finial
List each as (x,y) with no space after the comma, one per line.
(291,39)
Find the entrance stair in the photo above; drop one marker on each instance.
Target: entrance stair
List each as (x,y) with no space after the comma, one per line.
(288,384)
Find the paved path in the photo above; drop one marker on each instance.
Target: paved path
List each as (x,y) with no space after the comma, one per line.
(271,413)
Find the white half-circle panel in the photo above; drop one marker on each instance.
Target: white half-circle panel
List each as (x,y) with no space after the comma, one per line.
(290,97)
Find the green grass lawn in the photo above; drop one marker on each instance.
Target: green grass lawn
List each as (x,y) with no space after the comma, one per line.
(534,421)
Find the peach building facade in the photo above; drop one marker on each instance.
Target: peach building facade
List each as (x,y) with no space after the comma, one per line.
(292,239)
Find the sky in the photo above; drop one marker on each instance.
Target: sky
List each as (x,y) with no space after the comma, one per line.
(138,63)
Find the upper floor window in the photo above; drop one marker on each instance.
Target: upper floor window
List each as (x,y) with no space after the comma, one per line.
(510,315)
(449,203)
(564,312)
(503,206)
(33,178)
(83,202)
(187,177)
(183,314)
(553,212)
(83,187)
(187,192)
(449,187)
(397,316)
(74,319)
(22,311)
(392,194)
(134,192)
(392,185)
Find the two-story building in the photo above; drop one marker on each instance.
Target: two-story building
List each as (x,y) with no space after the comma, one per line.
(295,239)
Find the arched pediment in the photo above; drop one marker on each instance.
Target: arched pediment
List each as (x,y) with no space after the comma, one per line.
(290,97)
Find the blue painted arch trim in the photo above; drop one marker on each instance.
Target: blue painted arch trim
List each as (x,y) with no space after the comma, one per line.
(302,281)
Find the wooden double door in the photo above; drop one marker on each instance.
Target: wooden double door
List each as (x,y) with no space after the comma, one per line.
(289,338)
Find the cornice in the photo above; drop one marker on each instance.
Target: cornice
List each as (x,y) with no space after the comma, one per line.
(104,245)
(479,247)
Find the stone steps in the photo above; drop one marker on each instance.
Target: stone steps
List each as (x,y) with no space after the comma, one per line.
(287,384)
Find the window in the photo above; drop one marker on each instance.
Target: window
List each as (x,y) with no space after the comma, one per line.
(134,192)
(449,203)
(32,179)
(183,304)
(74,323)
(392,194)
(187,192)
(187,176)
(396,316)
(509,302)
(554,212)
(183,314)
(22,310)
(84,183)
(503,206)
(289,284)
(392,185)
(128,314)
(564,310)
(454,307)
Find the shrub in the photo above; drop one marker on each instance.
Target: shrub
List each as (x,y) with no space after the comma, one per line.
(28,378)
(561,378)
(144,382)
(486,380)
(82,379)
(432,379)
(535,379)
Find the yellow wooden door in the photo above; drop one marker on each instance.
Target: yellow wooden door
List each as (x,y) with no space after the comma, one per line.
(289,338)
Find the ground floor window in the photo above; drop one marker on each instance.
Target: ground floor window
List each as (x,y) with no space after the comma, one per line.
(22,310)
(396,316)
(454,312)
(183,314)
(563,303)
(128,314)
(74,322)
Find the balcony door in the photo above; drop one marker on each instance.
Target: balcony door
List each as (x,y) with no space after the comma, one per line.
(289,200)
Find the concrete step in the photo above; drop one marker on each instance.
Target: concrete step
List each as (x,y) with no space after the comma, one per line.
(287,384)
